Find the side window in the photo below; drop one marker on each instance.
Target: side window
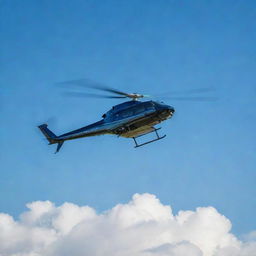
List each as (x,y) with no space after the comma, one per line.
(123,114)
(126,113)
(139,109)
(117,116)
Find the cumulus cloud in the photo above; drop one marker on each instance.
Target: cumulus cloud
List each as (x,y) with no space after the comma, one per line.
(142,227)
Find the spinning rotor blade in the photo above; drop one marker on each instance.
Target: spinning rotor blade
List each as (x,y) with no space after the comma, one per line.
(196,90)
(187,92)
(108,89)
(93,85)
(192,98)
(182,95)
(91,95)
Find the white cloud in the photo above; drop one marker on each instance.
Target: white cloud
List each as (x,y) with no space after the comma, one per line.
(142,227)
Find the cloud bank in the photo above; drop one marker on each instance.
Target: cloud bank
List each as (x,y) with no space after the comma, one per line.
(142,227)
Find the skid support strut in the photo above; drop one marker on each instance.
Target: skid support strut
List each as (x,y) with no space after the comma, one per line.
(157,138)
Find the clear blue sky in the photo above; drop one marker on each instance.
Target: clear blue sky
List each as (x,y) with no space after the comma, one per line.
(208,156)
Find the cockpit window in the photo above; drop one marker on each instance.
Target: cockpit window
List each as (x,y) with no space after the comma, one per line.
(126,113)
(132,111)
(149,105)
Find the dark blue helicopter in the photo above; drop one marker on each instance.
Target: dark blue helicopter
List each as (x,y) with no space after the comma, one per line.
(130,119)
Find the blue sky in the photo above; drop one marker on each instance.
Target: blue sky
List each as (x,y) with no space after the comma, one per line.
(208,156)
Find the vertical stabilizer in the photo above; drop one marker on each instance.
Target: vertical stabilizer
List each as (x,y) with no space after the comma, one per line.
(50,136)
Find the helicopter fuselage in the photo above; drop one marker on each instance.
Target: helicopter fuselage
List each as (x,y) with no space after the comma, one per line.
(129,119)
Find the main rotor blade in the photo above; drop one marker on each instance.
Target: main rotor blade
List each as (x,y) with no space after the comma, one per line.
(187,91)
(192,98)
(198,90)
(108,89)
(79,82)
(91,95)
(90,84)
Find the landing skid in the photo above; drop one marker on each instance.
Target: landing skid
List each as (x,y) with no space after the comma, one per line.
(157,135)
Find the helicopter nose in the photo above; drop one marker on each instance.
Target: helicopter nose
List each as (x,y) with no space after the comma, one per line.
(170,109)
(167,111)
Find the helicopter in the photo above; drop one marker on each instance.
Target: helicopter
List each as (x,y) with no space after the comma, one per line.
(130,119)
